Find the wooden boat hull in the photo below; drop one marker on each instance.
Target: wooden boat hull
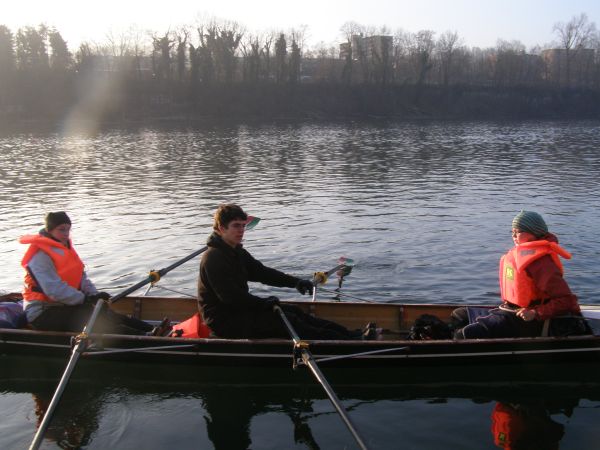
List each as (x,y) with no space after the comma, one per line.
(480,358)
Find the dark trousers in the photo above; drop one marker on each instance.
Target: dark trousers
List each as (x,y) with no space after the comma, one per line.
(268,324)
(499,323)
(74,318)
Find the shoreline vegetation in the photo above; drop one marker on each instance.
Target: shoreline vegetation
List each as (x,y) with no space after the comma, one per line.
(219,71)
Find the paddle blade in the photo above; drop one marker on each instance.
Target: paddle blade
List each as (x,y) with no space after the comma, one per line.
(346,261)
(348,265)
(251,222)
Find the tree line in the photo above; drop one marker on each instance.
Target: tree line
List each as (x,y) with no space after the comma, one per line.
(218,67)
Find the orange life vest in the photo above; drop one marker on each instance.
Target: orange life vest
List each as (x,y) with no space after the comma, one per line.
(194,327)
(69,266)
(516,286)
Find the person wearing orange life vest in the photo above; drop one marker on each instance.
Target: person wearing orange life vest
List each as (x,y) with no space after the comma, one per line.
(58,295)
(532,286)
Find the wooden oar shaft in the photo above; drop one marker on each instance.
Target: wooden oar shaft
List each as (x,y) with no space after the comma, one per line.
(309,360)
(80,346)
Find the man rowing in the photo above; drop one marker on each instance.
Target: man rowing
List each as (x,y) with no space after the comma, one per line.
(224,298)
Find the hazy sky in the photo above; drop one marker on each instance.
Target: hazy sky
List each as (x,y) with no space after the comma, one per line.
(479,22)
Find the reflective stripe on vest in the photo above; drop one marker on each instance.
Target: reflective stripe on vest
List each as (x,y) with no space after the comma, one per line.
(516,286)
(69,266)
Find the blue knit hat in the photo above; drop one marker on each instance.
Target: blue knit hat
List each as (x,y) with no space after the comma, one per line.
(530,222)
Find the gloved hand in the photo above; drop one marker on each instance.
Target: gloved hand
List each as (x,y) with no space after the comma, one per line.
(304,287)
(270,302)
(93,298)
(103,295)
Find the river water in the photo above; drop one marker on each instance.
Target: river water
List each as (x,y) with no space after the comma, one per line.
(424,209)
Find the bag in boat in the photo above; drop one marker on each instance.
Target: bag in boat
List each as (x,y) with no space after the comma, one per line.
(429,327)
(194,327)
(569,326)
(12,315)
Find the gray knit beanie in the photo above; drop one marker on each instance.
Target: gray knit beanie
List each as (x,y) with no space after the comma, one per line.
(531,222)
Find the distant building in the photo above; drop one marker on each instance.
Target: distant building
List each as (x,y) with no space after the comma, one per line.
(369,48)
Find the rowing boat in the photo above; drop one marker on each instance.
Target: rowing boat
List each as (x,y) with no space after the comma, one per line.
(393,349)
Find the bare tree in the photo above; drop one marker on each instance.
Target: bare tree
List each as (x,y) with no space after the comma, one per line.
(227,43)
(421,52)
(7,52)
(182,36)
(349,30)
(251,49)
(446,49)
(267,49)
(574,36)
(280,58)
(161,55)
(400,59)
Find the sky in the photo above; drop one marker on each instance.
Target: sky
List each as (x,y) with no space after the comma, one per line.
(480,23)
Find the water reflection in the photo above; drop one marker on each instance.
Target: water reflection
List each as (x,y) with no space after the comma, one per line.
(530,426)
(424,210)
(75,424)
(109,406)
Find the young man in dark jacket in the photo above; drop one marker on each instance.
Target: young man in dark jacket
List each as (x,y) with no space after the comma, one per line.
(226,304)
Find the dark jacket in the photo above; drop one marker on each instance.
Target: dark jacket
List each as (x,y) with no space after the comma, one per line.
(223,295)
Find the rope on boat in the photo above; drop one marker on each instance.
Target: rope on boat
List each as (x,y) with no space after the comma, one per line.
(185,294)
(137,349)
(355,355)
(346,295)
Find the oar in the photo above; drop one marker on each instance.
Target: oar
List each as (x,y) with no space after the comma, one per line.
(309,360)
(343,268)
(153,277)
(78,349)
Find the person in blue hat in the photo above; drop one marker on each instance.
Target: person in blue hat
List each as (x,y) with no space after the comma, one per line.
(532,286)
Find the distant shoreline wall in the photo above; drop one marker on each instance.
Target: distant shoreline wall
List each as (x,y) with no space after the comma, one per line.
(308,101)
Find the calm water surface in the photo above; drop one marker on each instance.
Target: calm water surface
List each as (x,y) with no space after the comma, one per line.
(423,209)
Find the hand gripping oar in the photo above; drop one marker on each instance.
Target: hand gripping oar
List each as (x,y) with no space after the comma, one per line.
(80,345)
(342,269)
(309,360)
(80,340)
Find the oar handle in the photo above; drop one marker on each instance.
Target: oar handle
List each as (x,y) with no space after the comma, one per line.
(152,278)
(321,278)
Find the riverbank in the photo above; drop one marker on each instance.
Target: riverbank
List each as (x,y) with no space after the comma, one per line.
(318,102)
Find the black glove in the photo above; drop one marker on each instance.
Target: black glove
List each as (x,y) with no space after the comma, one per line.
(93,298)
(304,287)
(270,302)
(103,295)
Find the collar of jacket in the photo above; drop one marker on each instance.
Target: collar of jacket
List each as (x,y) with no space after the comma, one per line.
(216,241)
(44,233)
